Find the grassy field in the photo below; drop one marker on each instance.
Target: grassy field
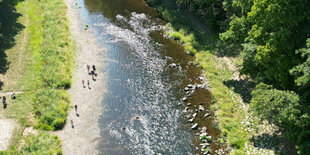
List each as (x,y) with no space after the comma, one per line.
(38,62)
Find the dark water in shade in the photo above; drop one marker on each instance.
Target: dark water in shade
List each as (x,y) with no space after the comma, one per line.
(140,82)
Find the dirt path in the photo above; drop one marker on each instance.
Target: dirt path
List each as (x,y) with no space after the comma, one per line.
(9,93)
(6,130)
(85,136)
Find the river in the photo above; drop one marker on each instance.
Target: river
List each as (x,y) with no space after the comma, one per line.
(143,111)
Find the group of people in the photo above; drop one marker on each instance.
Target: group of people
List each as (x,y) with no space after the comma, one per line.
(93,74)
(4,100)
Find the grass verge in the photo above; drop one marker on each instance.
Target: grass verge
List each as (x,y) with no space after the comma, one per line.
(41,143)
(51,69)
(48,67)
(225,103)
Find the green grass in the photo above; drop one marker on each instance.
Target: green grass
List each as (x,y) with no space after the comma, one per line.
(17,56)
(50,108)
(188,40)
(19,109)
(225,104)
(42,143)
(48,66)
(36,144)
(52,53)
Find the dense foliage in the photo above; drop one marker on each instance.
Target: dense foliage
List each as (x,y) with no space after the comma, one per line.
(280,107)
(271,37)
(269,34)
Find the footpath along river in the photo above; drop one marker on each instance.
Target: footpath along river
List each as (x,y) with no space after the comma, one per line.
(143,110)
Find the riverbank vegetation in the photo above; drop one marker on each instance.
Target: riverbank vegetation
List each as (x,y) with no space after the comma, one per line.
(268,43)
(53,53)
(38,38)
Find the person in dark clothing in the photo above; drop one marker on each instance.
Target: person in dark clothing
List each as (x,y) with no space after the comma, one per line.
(72,124)
(88,84)
(94,68)
(75,107)
(3,99)
(4,102)
(92,74)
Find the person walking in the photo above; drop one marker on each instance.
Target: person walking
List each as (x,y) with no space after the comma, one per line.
(88,68)
(72,124)
(75,107)
(4,102)
(92,74)
(88,84)
(94,68)
(83,83)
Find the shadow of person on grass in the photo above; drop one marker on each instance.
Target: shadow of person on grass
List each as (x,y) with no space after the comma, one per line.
(9,28)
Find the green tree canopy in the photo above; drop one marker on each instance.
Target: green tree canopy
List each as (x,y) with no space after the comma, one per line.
(269,34)
(277,106)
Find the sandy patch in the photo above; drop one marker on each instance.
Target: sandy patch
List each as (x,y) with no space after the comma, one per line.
(6,130)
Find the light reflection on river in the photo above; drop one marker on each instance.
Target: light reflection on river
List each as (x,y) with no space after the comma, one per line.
(141,110)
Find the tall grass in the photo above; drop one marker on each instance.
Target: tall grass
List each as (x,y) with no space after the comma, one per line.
(226,106)
(50,73)
(50,108)
(36,144)
(42,143)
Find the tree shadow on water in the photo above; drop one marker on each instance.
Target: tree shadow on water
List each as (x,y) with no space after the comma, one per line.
(274,142)
(204,28)
(243,87)
(9,28)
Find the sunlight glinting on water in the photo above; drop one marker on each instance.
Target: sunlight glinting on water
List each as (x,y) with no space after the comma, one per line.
(156,128)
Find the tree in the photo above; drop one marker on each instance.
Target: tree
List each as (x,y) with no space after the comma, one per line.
(269,33)
(302,72)
(277,106)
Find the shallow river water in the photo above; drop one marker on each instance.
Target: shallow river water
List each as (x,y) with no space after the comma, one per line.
(143,111)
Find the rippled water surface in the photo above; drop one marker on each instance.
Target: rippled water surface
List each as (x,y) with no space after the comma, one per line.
(142,113)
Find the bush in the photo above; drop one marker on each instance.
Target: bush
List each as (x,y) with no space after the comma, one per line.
(277,106)
(51,108)
(43,143)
